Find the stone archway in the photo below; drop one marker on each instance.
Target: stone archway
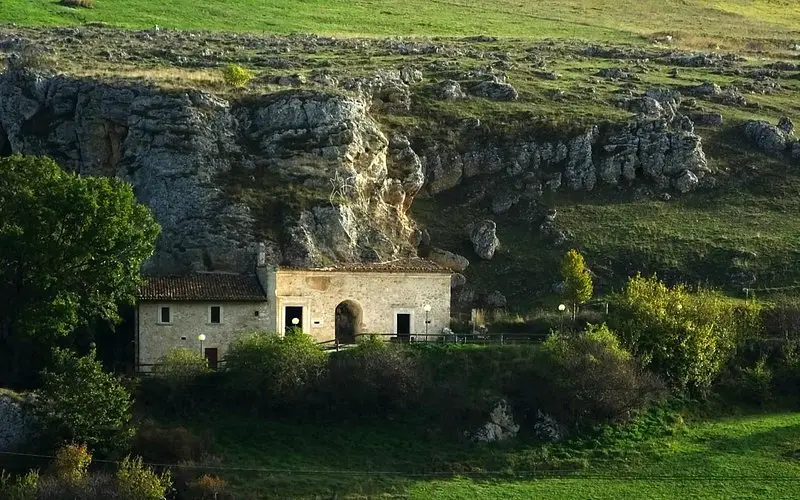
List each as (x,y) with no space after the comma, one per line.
(348,322)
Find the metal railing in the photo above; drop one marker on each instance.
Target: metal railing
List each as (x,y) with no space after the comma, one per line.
(484,338)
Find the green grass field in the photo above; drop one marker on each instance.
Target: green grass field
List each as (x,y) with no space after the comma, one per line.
(622,20)
(752,456)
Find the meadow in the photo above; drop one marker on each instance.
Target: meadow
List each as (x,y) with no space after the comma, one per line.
(743,456)
(725,22)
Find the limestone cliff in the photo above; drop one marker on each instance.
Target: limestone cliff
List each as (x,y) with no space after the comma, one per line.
(179,148)
(216,172)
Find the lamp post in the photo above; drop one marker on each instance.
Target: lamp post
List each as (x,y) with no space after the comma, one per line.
(201,338)
(295,322)
(561,309)
(427,309)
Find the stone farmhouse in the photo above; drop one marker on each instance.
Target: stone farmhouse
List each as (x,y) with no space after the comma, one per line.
(407,298)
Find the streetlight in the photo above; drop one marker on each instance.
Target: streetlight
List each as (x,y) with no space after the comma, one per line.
(561,309)
(201,338)
(427,309)
(295,322)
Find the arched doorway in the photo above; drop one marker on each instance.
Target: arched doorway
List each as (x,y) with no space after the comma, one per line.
(348,322)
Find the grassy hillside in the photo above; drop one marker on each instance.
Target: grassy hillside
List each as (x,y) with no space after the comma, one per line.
(741,457)
(705,21)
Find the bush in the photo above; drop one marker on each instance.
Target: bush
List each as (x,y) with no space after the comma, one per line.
(208,487)
(72,464)
(79,402)
(236,76)
(134,481)
(374,378)
(180,366)
(583,380)
(19,488)
(269,371)
(684,337)
(168,445)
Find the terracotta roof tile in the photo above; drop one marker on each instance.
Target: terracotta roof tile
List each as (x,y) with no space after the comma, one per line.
(207,286)
(411,265)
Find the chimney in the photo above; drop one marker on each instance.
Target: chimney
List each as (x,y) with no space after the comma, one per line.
(261,255)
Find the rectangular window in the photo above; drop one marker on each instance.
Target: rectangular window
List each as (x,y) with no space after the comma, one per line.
(215,314)
(164,315)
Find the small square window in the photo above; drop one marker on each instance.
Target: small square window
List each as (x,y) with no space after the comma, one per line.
(257,313)
(215,314)
(164,315)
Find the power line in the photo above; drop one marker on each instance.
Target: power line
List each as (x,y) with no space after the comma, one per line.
(532,474)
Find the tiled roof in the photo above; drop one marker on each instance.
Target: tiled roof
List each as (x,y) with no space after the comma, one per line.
(207,286)
(410,265)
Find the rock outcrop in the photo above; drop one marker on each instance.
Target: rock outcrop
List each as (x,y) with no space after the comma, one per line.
(655,149)
(188,154)
(773,140)
(483,236)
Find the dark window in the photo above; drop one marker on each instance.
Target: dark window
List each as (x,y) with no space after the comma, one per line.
(403,325)
(165,315)
(216,314)
(211,357)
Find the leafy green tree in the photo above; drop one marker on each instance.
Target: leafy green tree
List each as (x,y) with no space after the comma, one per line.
(80,403)
(577,280)
(684,337)
(70,251)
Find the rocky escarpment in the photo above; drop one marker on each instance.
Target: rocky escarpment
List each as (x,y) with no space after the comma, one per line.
(658,146)
(179,148)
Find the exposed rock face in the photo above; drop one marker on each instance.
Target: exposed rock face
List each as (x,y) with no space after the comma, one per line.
(483,236)
(499,427)
(16,426)
(655,149)
(179,149)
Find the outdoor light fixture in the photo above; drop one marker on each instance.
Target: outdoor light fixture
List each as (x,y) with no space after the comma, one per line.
(562,307)
(295,321)
(201,338)
(427,309)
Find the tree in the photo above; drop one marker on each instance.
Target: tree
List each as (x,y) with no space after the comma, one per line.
(684,337)
(80,403)
(70,251)
(577,280)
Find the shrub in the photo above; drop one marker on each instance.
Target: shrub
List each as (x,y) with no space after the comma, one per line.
(135,481)
(374,378)
(79,402)
(684,337)
(72,464)
(208,487)
(179,366)
(236,76)
(16,426)
(19,488)
(168,445)
(273,371)
(583,380)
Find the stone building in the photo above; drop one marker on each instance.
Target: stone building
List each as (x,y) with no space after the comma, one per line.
(407,298)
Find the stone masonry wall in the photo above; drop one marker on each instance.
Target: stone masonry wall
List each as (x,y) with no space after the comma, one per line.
(190,319)
(379,295)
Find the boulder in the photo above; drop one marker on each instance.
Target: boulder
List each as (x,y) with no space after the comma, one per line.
(495,91)
(767,137)
(705,89)
(15,424)
(502,202)
(484,238)
(450,260)
(500,427)
(686,182)
(449,90)
(707,119)
(786,125)
(796,151)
